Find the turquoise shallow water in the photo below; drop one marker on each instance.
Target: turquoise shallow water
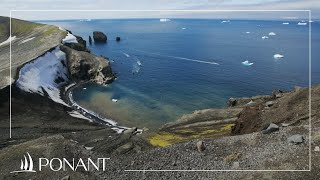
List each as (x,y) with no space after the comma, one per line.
(167,69)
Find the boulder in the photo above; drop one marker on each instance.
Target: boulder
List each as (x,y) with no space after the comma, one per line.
(296,139)
(99,37)
(83,66)
(232,102)
(269,103)
(130,131)
(271,128)
(118,39)
(200,146)
(66,178)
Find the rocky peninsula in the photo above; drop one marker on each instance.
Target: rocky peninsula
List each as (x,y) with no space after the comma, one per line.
(269,132)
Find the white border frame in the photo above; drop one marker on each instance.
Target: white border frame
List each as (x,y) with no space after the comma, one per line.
(162,10)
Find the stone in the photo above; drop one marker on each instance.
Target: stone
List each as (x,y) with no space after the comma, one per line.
(317,148)
(130,131)
(118,39)
(200,146)
(271,128)
(66,178)
(99,37)
(232,102)
(269,103)
(236,165)
(124,148)
(285,124)
(80,46)
(296,139)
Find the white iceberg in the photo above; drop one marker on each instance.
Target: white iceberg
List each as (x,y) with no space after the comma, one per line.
(225,21)
(183,28)
(247,32)
(247,63)
(302,23)
(285,23)
(164,20)
(114,100)
(278,56)
(264,37)
(272,33)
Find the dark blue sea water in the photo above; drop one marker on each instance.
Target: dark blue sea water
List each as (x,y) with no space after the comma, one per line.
(166,69)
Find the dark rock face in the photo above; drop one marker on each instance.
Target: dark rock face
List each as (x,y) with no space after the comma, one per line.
(118,39)
(80,46)
(84,66)
(99,37)
(90,40)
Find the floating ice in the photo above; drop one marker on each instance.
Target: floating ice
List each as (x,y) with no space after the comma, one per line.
(8,40)
(247,63)
(264,37)
(278,56)
(114,100)
(84,88)
(183,28)
(225,21)
(139,63)
(302,23)
(272,33)
(247,32)
(285,23)
(70,38)
(164,20)
(127,55)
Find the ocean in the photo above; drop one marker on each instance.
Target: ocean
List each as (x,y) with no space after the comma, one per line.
(167,69)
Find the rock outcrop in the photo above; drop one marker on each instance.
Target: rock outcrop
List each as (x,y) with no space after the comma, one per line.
(99,37)
(80,46)
(84,66)
(118,38)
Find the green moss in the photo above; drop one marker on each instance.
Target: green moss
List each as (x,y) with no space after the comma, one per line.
(22,27)
(163,139)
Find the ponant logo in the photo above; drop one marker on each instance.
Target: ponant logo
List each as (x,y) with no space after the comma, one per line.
(26,165)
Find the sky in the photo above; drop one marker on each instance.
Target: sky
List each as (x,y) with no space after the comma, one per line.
(170,5)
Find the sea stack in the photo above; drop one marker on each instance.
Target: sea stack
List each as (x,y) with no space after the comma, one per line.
(90,40)
(118,39)
(99,37)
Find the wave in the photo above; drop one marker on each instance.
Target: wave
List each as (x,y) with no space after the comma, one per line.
(127,55)
(181,58)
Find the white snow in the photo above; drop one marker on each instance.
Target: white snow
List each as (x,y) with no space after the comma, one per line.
(247,63)
(264,37)
(62,29)
(26,40)
(272,33)
(39,75)
(278,56)
(8,40)
(164,20)
(285,23)
(76,114)
(70,39)
(114,100)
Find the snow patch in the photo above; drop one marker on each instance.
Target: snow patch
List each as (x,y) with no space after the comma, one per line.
(26,40)
(8,40)
(70,38)
(76,114)
(40,76)
(285,23)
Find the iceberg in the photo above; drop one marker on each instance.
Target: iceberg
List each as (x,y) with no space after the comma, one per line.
(272,34)
(302,23)
(285,23)
(247,63)
(164,20)
(225,21)
(183,28)
(278,56)
(264,37)
(114,100)
(247,32)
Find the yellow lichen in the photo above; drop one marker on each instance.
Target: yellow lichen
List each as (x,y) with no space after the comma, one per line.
(163,139)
